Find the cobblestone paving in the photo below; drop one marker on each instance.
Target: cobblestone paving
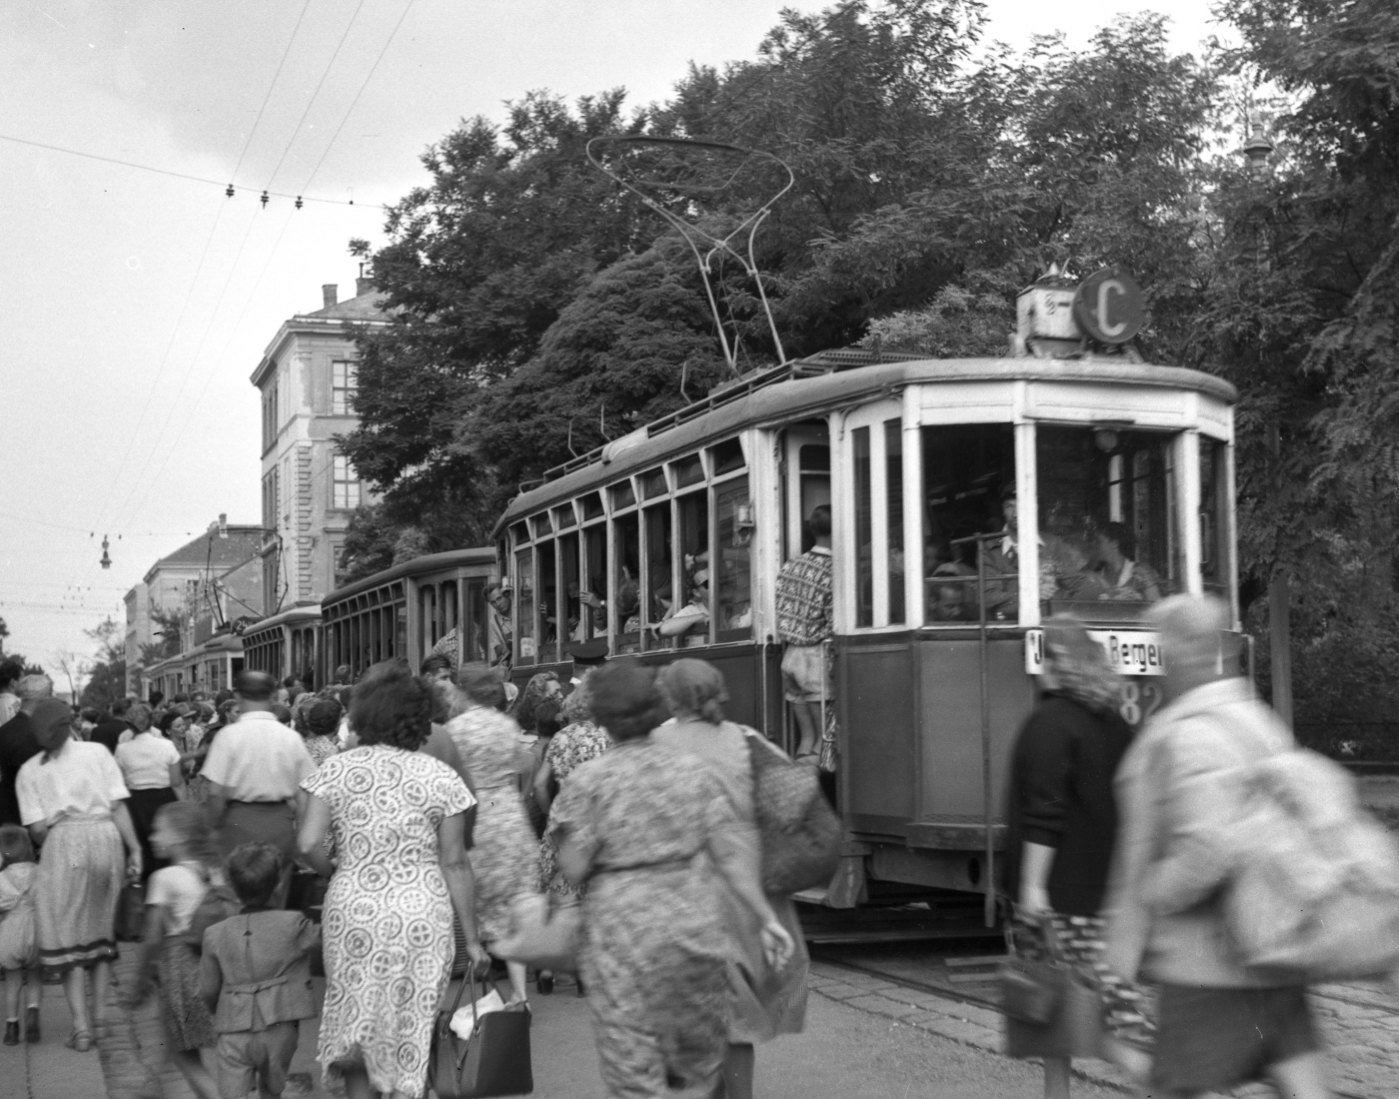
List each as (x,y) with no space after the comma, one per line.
(1359,1024)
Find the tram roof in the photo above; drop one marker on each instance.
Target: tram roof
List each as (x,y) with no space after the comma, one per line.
(292,616)
(429,562)
(809,387)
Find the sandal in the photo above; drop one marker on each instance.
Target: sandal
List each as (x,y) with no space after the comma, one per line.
(80,1040)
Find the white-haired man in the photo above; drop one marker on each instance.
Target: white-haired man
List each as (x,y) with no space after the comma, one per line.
(1178,791)
(18,743)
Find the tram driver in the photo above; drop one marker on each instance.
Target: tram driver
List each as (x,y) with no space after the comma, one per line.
(501,635)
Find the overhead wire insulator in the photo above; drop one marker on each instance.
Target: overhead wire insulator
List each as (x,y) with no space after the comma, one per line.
(263,200)
(229,190)
(298,202)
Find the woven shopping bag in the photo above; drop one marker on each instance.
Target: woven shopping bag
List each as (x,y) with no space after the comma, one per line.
(494,1061)
(1051,1009)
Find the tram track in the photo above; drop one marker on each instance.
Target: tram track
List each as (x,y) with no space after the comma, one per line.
(966,975)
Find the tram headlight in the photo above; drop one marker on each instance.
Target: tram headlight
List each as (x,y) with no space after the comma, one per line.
(1106,439)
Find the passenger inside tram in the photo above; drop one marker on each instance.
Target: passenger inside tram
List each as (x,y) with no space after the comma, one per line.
(691,621)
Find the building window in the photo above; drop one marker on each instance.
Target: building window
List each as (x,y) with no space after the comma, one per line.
(344,383)
(269,416)
(345,489)
(269,499)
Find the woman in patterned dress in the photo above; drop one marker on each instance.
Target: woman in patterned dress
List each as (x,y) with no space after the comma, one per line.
(648,831)
(763,1002)
(571,747)
(1061,828)
(505,853)
(399,822)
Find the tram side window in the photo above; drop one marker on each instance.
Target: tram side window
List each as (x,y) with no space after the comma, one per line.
(864,530)
(627,582)
(734,589)
(1214,499)
(689,620)
(549,616)
(658,589)
(524,606)
(969,479)
(1107,529)
(894,501)
(595,582)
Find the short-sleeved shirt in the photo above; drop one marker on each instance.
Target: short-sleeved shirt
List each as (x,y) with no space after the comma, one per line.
(179,889)
(145,761)
(257,758)
(804,614)
(81,780)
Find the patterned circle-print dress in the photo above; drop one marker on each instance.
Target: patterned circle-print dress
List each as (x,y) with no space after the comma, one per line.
(504,852)
(570,749)
(388,917)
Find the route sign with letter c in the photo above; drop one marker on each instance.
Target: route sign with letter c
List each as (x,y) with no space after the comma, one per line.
(1108,304)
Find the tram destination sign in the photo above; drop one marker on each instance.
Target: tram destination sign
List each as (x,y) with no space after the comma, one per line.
(1129,652)
(1108,305)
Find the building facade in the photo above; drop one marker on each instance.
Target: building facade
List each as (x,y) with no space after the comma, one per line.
(189,596)
(308,379)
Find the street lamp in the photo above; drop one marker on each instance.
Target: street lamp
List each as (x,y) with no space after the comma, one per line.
(1258,149)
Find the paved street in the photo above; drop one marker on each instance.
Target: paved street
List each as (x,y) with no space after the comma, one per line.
(846,1051)
(866,1037)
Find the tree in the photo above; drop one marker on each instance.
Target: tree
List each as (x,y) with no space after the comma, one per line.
(107,673)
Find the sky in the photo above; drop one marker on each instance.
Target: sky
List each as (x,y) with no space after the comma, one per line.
(135,305)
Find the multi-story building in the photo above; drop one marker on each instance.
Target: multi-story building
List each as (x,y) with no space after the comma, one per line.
(188,596)
(307,378)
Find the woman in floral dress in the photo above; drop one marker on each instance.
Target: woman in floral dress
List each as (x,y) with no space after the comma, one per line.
(399,822)
(505,855)
(575,744)
(648,828)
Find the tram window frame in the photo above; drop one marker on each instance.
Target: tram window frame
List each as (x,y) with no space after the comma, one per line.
(737,546)
(969,471)
(592,507)
(524,604)
(625,529)
(546,564)
(1137,472)
(1213,507)
(692,549)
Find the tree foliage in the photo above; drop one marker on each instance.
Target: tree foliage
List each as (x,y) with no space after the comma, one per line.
(540,310)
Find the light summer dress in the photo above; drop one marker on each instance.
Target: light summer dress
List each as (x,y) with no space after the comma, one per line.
(387,925)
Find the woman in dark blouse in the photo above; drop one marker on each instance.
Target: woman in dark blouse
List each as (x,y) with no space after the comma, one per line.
(1062,824)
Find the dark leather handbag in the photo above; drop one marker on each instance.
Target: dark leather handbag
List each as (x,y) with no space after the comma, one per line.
(798,831)
(495,1060)
(131,913)
(1051,1009)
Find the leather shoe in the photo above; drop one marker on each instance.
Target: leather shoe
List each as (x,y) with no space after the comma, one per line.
(12,1032)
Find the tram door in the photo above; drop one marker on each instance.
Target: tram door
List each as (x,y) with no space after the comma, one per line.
(806,484)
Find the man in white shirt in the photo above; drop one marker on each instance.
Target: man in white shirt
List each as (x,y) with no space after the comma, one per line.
(255,767)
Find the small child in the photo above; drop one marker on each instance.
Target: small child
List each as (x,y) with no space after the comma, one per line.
(256,976)
(181,834)
(19,946)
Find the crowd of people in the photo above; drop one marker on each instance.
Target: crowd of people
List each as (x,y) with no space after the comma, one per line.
(424,807)
(415,812)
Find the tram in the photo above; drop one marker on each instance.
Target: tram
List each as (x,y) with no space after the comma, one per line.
(208,667)
(404,611)
(970,499)
(286,644)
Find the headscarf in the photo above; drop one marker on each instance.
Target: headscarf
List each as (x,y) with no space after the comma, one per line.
(52,722)
(1076,666)
(694,687)
(536,691)
(578,705)
(304,701)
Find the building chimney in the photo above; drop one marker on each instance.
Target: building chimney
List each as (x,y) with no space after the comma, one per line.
(364,285)
(329,292)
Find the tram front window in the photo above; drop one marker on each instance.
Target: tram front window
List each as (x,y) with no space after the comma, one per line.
(969,481)
(1109,533)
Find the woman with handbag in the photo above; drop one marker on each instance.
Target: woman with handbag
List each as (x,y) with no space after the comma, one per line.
(399,821)
(1062,824)
(763,1001)
(657,840)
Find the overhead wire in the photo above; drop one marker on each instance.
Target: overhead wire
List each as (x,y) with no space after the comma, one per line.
(312,101)
(176,175)
(268,97)
(355,102)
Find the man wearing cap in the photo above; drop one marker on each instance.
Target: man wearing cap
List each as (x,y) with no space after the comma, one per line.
(18,743)
(255,767)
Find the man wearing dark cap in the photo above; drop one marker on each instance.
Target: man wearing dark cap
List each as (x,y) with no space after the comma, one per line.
(255,767)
